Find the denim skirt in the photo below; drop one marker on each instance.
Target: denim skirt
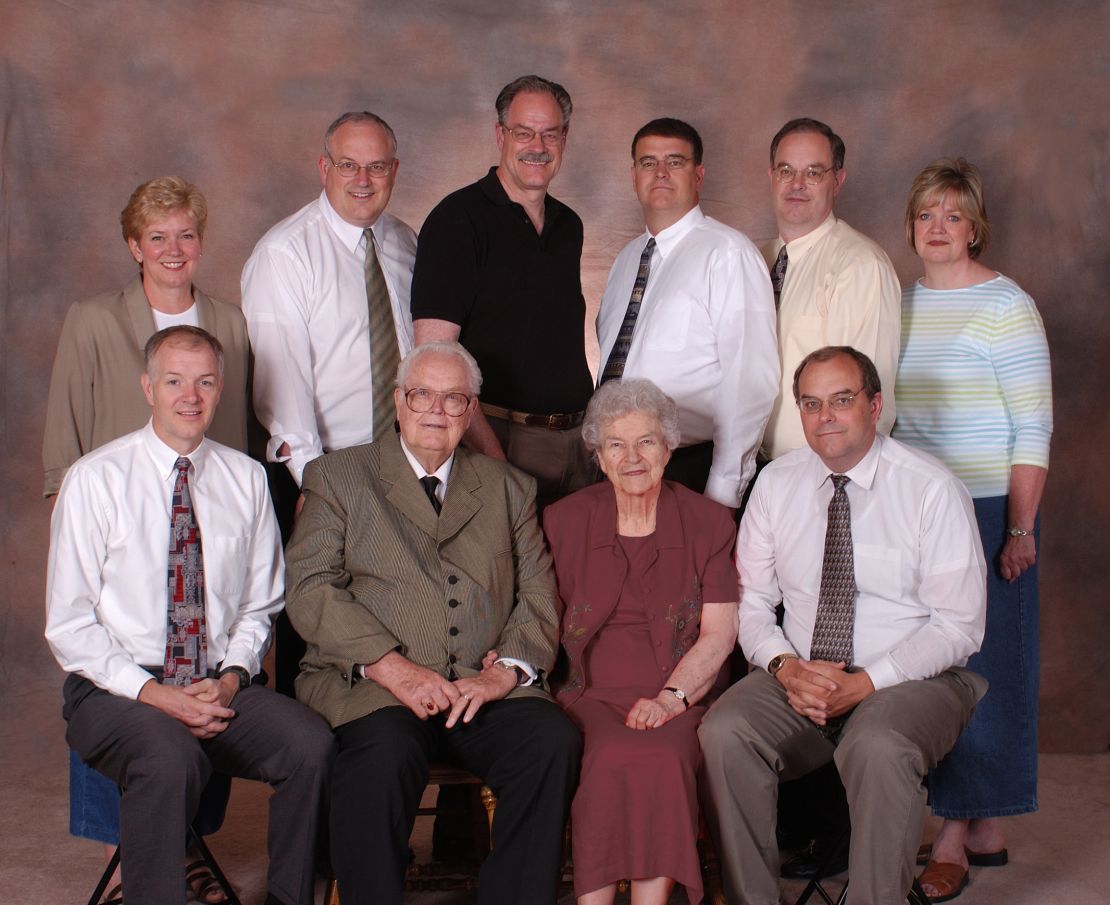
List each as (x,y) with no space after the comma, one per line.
(992,770)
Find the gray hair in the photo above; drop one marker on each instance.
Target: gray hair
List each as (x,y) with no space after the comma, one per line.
(533,84)
(473,372)
(358,117)
(618,398)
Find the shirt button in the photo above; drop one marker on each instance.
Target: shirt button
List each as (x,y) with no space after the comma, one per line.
(452,658)
(453,630)
(452,579)
(452,603)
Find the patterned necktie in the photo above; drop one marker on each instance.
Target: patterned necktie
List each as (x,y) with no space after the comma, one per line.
(431,482)
(186,635)
(384,353)
(778,274)
(836,605)
(614,367)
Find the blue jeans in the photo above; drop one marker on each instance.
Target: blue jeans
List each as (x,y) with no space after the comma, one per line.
(992,770)
(93,803)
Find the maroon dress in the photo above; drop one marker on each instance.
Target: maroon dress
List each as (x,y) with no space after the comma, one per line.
(633,610)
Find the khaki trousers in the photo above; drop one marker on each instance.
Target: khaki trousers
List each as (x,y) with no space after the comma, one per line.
(751,739)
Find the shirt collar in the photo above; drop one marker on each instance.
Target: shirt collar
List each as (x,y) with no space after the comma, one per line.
(796,248)
(443,472)
(862,473)
(667,239)
(492,188)
(165,458)
(349,234)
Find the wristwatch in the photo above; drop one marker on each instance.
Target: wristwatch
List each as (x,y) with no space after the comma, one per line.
(680,694)
(520,674)
(1018,532)
(243,676)
(779,662)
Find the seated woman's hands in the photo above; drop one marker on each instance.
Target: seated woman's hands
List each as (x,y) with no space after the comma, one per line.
(651,713)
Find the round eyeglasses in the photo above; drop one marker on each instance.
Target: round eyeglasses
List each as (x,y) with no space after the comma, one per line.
(421,400)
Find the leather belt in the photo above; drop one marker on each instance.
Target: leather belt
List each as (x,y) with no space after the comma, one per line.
(556,422)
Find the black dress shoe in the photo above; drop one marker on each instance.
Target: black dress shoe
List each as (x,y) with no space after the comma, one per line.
(804,865)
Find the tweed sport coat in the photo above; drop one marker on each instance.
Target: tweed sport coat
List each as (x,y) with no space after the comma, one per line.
(370,568)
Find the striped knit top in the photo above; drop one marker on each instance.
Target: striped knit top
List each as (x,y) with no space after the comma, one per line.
(974,386)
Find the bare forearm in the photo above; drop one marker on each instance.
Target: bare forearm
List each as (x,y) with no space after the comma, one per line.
(698,669)
(1026,487)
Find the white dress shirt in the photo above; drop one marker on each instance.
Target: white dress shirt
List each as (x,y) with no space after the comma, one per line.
(920,574)
(106,583)
(840,290)
(304,298)
(706,336)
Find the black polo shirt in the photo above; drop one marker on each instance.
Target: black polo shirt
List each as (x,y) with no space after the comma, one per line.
(516,294)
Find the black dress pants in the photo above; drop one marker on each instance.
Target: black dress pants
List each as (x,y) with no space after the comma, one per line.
(525,749)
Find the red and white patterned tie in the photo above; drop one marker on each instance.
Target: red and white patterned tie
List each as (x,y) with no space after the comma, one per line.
(186,635)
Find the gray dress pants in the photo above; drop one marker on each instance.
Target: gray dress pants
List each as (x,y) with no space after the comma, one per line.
(162,768)
(751,739)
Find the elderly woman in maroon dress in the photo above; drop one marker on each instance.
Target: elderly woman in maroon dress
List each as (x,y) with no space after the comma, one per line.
(646,574)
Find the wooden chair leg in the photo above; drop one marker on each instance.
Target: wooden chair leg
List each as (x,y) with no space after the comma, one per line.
(331,892)
(489,802)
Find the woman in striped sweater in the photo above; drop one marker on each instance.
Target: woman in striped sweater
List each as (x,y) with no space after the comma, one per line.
(974,389)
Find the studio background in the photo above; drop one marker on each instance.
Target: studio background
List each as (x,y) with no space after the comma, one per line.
(235,95)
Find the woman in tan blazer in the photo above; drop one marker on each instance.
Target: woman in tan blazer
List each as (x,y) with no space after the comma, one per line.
(95,397)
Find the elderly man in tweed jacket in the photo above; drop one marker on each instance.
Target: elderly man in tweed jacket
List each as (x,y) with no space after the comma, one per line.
(411,559)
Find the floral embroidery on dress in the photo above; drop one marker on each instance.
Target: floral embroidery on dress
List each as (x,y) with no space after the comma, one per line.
(685,619)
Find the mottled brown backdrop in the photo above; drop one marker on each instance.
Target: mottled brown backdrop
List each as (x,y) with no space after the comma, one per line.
(234,94)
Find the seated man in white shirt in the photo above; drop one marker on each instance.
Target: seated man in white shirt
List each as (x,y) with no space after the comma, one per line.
(412,560)
(884,588)
(164,575)
(688,305)
(326,298)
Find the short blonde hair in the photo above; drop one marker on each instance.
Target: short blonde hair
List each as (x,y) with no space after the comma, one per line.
(162,196)
(963,181)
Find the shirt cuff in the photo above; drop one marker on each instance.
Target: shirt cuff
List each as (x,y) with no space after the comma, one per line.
(527,668)
(883,673)
(725,491)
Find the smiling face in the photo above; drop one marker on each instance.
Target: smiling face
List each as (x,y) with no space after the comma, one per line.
(633,454)
(840,438)
(665,195)
(527,168)
(801,208)
(183,388)
(432,436)
(942,233)
(361,199)
(168,250)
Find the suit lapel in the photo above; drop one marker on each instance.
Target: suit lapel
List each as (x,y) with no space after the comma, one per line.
(405,491)
(461,503)
(138,312)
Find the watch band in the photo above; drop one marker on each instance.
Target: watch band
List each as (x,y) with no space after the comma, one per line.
(680,694)
(240,673)
(1019,532)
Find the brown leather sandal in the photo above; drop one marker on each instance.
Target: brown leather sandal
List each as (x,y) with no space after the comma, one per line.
(947,879)
(203,885)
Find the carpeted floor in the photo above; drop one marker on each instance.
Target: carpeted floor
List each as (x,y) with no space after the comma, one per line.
(1058,854)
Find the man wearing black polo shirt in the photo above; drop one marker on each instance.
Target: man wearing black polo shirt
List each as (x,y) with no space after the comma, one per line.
(497,269)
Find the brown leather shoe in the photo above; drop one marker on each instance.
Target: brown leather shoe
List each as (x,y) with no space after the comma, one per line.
(942,881)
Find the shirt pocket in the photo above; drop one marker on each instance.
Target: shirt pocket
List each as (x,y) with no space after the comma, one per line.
(879,570)
(225,564)
(670,324)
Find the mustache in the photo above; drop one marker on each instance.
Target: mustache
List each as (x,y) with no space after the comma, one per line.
(535,157)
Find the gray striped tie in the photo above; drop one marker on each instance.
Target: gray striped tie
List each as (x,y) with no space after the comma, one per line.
(384,352)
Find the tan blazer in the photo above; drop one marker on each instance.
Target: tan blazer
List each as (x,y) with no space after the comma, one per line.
(370,569)
(95,395)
